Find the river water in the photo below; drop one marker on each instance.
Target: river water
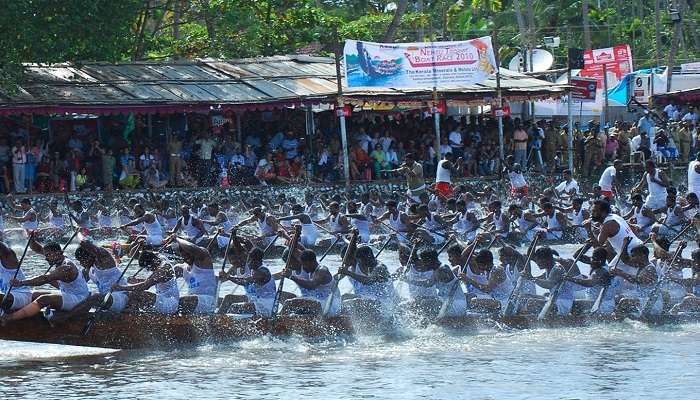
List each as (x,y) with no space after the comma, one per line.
(615,361)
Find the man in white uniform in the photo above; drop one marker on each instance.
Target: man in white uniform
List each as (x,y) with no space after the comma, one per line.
(656,182)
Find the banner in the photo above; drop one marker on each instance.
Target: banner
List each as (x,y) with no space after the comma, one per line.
(418,65)
(617,61)
(583,89)
(642,88)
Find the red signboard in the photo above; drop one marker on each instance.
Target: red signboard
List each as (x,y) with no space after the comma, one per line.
(617,61)
(583,89)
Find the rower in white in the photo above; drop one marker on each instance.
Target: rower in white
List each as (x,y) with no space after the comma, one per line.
(309,233)
(554,275)
(218,218)
(198,273)
(488,286)
(358,221)
(568,188)
(598,278)
(154,231)
(656,182)
(610,180)
(267,224)
(337,222)
(101,268)
(259,284)
(316,282)
(555,221)
(614,230)
(674,217)
(641,218)
(526,222)
(644,279)
(66,276)
(370,279)
(166,298)
(30,219)
(694,176)
(20,295)
(190,225)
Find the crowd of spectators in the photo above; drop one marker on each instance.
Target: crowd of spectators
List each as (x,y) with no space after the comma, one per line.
(278,150)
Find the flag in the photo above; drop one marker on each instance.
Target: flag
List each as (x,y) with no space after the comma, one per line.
(129,127)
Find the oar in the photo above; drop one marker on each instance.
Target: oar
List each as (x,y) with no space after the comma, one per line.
(272,243)
(601,294)
(685,229)
(402,234)
(456,285)
(656,291)
(65,246)
(19,265)
(162,247)
(292,248)
(325,253)
(103,304)
(553,294)
(381,249)
(510,308)
(337,277)
(212,240)
(223,263)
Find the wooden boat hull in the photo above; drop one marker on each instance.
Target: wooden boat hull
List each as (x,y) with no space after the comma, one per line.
(135,331)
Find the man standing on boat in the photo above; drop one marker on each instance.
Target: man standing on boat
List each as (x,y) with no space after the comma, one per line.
(66,276)
(443,179)
(20,295)
(198,272)
(610,180)
(413,171)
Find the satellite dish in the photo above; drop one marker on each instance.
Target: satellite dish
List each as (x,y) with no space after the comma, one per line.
(542,60)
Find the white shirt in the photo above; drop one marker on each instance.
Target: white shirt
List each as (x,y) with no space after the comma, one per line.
(670,110)
(517,179)
(568,186)
(607,179)
(444,149)
(455,139)
(19,155)
(237,159)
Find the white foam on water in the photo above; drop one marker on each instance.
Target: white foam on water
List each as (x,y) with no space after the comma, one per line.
(12,351)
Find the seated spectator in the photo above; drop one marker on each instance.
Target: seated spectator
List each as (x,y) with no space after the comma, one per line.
(82,180)
(359,163)
(265,170)
(661,141)
(290,145)
(153,178)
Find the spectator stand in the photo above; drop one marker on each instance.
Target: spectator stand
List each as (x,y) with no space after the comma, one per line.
(213,122)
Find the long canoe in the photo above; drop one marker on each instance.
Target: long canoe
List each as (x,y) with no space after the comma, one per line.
(137,331)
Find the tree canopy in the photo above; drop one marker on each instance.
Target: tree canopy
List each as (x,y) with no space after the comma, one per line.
(51,31)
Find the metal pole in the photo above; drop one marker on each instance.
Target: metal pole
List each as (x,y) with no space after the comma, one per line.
(570,143)
(239,130)
(436,115)
(341,114)
(344,140)
(605,93)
